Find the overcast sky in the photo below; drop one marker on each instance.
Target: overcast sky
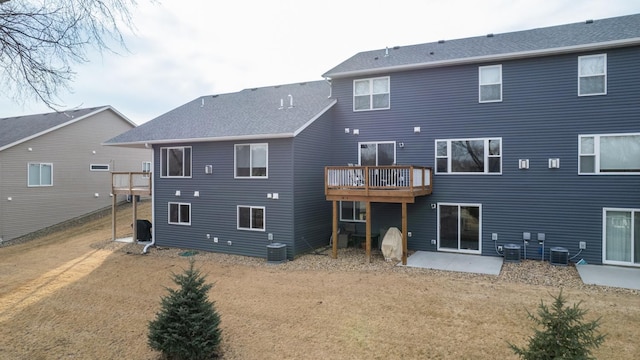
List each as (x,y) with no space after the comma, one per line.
(185,49)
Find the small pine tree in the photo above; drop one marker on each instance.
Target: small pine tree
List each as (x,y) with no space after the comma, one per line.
(187,326)
(564,334)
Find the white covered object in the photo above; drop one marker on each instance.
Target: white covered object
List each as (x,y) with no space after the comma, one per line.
(392,245)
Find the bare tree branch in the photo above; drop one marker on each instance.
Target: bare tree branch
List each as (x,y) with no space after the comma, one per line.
(40,40)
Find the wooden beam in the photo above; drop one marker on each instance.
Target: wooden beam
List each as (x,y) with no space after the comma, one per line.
(334,231)
(404,233)
(368,232)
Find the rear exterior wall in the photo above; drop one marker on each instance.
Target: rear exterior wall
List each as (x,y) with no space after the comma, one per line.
(540,117)
(214,211)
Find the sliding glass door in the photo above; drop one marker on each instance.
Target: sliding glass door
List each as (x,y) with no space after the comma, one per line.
(459,228)
(621,235)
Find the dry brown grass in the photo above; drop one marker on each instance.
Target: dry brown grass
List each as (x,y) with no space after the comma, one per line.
(76,295)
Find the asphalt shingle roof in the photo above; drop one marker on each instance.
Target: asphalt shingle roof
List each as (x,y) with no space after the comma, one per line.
(250,113)
(535,42)
(15,129)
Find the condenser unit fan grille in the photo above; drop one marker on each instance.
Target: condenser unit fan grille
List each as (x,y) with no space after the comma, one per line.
(512,252)
(559,256)
(276,253)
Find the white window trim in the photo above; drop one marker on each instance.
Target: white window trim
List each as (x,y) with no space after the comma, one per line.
(264,217)
(479,206)
(235,161)
(634,212)
(169,213)
(480,84)
(486,156)
(40,183)
(371,108)
(592,75)
(353,215)
(164,161)
(147,165)
(92,167)
(596,154)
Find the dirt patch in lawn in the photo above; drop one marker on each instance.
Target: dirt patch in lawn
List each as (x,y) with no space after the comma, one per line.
(76,294)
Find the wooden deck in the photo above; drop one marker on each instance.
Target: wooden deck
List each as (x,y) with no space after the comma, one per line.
(128,183)
(395,184)
(131,183)
(369,184)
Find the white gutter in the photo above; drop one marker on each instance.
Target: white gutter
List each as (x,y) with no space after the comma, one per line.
(493,57)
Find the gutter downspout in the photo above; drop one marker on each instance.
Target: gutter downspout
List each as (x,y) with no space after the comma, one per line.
(153,208)
(328,80)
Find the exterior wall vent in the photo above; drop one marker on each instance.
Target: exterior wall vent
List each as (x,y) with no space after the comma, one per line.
(523,163)
(559,256)
(276,253)
(511,252)
(554,163)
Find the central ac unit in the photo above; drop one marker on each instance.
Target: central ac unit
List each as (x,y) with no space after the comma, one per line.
(276,253)
(511,252)
(559,256)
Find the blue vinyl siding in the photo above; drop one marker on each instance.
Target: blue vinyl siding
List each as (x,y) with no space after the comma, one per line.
(312,213)
(539,118)
(214,211)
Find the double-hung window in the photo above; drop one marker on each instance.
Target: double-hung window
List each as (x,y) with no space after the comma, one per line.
(251,160)
(251,218)
(469,156)
(592,75)
(490,83)
(179,213)
(40,174)
(609,154)
(175,161)
(371,94)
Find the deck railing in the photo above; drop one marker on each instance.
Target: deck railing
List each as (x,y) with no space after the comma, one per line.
(133,183)
(406,178)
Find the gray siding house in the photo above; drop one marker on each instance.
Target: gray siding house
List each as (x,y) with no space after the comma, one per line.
(530,138)
(53,167)
(534,138)
(236,172)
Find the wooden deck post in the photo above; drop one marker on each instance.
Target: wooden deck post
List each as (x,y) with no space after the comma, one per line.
(114,203)
(404,233)
(368,232)
(334,231)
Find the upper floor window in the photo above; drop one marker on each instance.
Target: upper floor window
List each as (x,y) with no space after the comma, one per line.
(252,160)
(40,174)
(469,156)
(251,218)
(609,154)
(99,167)
(377,153)
(592,75)
(179,213)
(146,166)
(490,83)
(175,161)
(371,94)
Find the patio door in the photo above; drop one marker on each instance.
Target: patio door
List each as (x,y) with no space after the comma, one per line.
(621,237)
(459,228)
(377,153)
